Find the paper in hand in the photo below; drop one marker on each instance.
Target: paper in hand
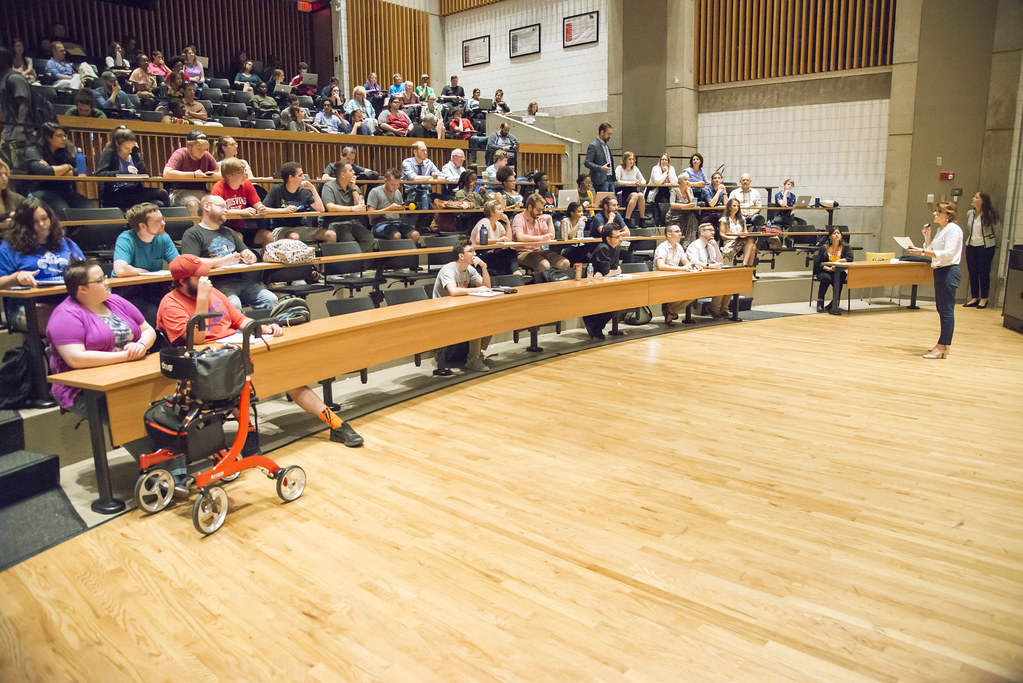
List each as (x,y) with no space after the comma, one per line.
(905,242)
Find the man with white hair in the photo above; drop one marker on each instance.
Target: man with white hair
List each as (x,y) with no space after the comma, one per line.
(455,167)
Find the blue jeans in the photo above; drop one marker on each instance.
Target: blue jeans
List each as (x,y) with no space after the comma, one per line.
(241,292)
(946,282)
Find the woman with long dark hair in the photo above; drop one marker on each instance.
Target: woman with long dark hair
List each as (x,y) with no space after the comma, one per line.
(945,251)
(122,157)
(833,251)
(732,225)
(34,249)
(981,220)
(54,156)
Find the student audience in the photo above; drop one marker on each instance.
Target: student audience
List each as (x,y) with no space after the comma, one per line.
(341,195)
(211,239)
(461,278)
(93,327)
(121,158)
(670,255)
(296,194)
(704,253)
(606,262)
(34,248)
(191,161)
(194,293)
(54,156)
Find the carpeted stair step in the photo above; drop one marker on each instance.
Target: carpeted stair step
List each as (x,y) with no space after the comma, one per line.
(24,474)
(12,435)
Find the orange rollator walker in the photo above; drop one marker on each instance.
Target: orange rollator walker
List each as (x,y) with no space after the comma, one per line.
(212,384)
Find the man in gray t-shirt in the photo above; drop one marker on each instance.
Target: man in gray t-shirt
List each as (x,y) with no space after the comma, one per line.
(461,278)
(341,195)
(211,239)
(388,197)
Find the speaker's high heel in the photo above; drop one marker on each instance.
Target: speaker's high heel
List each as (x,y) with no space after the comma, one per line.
(938,352)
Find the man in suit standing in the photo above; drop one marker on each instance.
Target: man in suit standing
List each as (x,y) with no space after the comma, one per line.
(600,162)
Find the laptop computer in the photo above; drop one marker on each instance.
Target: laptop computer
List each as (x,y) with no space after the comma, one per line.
(310,79)
(282,89)
(486,103)
(598,197)
(802,202)
(566,197)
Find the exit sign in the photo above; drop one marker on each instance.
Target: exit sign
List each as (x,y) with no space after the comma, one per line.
(304,6)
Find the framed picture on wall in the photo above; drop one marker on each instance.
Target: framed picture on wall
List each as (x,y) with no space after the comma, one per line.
(580,29)
(524,41)
(476,51)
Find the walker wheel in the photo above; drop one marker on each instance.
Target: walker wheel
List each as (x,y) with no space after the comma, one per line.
(154,490)
(209,510)
(290,483)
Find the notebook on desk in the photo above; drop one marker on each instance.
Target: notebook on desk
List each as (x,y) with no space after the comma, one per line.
(802,202)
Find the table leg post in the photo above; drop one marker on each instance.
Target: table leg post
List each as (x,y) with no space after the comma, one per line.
(106,503)
(689,314)
(534,340)
(328,394)
(41,397)
(912,300)
(615,332)
(735,308)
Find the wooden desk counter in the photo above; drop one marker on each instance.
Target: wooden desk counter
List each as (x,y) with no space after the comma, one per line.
(884,273)
(358,340)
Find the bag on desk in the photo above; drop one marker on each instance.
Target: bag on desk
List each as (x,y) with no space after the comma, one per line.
(290,312)
(288,251)
(15,379)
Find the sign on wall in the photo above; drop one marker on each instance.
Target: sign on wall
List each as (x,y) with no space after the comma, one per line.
(524,41)
(476,51)
(580,29)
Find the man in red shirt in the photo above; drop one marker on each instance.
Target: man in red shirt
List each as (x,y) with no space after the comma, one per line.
(193,294)
(241,197)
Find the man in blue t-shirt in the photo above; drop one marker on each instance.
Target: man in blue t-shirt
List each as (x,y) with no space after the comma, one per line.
(144,248)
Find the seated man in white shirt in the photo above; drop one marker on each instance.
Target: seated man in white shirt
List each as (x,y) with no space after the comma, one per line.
(704,253)
(670,255)
(460,278)
(455,167)
(749,201)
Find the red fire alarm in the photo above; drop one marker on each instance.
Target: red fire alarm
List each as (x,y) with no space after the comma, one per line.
(305,6)
(947,175)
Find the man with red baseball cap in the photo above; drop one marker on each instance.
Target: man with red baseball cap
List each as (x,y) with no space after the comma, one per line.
(193,294)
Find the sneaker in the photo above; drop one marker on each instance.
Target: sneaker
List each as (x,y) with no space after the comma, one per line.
(490,360)
(346,435)
(476,364)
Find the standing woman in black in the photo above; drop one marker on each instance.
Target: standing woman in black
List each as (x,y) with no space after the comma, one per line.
(980,248)
(945,251)
(832,251)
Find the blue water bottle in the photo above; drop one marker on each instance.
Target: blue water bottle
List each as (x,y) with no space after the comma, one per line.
(484,235)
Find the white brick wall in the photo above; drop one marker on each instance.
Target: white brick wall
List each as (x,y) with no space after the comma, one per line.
(555,77)
(834,151)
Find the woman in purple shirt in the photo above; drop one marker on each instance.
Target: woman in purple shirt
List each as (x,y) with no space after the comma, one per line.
(93,327)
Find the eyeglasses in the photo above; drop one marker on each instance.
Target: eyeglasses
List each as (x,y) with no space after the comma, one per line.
(96,282)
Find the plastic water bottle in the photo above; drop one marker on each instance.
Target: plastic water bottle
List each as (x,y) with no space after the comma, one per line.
(484,235)
(589,271)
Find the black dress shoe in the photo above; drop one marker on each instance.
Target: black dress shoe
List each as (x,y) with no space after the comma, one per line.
(982,305)
(971,304)
(443,372)
(820,305)
(835,310)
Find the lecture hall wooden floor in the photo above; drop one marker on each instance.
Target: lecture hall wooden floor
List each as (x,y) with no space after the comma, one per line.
(800,498)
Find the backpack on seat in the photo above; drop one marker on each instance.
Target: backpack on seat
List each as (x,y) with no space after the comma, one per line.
(288,251)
